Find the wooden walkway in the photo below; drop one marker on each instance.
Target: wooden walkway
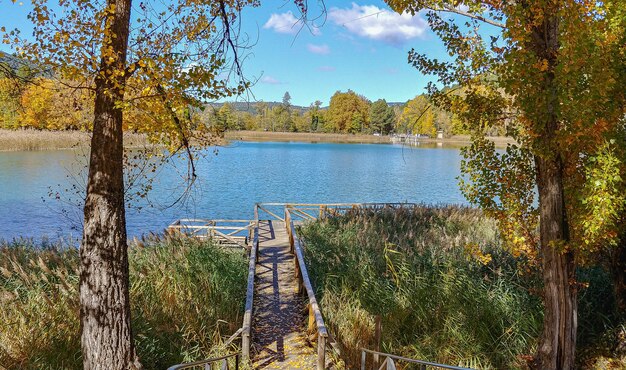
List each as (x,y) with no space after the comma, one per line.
(282,315)
(279,320)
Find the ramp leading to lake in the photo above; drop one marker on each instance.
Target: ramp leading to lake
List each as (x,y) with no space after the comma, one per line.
(283,327)
(279,321)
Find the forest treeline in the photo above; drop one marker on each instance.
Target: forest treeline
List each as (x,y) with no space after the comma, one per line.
(52,104)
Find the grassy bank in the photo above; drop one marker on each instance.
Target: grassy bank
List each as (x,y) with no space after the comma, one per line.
(454,141)
(186,296)
(304,137)
(29,139)
(443,286)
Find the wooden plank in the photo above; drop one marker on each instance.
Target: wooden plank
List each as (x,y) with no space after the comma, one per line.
(271,213)
(321,328)
(321,352)
(247,316)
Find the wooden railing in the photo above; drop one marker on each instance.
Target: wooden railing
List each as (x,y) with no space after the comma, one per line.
(221,363)
(316,324)
(312,211)
(184,226)
(232,230)
(246,334)
(235,233)
(389,362)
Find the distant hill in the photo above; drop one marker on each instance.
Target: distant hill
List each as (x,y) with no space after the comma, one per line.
(12,64)
(9,60)
(251,107)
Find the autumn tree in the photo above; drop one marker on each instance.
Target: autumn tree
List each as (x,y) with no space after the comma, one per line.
(15,77)
(348,113)
(548,71)
(50,105)
(418,117)
(317,117)
(382,117)
(10,103)
(262,112)
(168,58)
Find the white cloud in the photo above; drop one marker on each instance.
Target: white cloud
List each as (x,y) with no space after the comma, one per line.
(375,23)
(326,69)
(288,23)
(318,49)
(270,80)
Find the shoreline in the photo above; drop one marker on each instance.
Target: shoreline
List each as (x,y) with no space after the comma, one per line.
(309,137)
(34,140)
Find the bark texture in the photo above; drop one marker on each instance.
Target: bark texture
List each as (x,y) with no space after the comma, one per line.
(557,346)
(106,337)
(558,340)
(618,272)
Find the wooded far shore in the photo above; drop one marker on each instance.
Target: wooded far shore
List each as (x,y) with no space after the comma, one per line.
(31,140)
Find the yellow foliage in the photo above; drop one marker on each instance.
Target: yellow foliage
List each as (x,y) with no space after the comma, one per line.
(49,105)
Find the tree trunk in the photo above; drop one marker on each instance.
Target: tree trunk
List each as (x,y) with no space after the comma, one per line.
(104,295)
(557,346)
(558,341)
(618,272)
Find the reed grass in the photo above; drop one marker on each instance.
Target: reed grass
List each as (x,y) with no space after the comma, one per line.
(186,297)
(445,288)
(438,278)
(30,139)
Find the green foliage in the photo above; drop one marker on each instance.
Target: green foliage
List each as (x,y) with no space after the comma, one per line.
(503,184)
(445,288)
(348,113)
(382,117)
(417,117)
(185,296)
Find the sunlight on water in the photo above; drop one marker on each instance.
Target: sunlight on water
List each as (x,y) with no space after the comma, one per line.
(229,183)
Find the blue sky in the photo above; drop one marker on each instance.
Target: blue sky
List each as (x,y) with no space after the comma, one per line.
(359,45)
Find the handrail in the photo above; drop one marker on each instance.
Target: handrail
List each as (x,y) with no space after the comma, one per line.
(210,361)
(246,333)
(302,275)
(390,364)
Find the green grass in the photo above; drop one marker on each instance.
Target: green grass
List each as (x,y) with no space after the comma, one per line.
(438,299)
(445,288)
(186,297)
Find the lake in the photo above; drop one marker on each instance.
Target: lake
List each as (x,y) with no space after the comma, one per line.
(37,188)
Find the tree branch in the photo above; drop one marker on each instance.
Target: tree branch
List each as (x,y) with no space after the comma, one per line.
(184,140)
(450,9)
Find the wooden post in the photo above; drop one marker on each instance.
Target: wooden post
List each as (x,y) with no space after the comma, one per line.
(363,359)
(311,326)
(321,352)
(298,274)
(377,338)
(245,347)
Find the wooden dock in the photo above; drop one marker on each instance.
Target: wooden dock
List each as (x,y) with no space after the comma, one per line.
(283,326)
(279,322)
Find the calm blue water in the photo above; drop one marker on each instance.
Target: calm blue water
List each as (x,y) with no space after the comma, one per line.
(229,184)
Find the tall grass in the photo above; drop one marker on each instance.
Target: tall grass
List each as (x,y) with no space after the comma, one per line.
(30,139)
(441,283)
(446,290)
(186,296)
